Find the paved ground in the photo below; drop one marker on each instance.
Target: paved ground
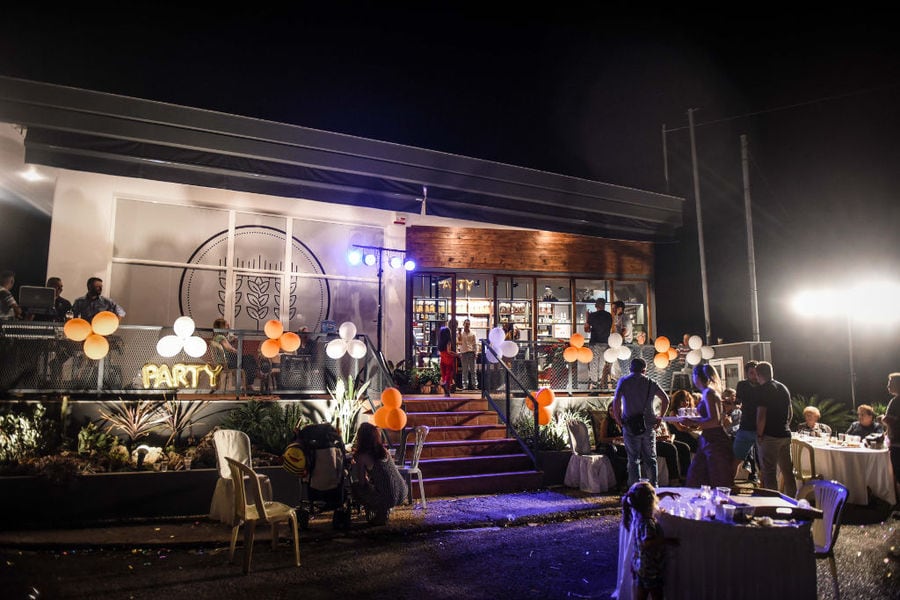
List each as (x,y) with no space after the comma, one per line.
(551,544)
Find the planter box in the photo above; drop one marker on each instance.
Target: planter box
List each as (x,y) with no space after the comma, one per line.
(553,463)
(36,502)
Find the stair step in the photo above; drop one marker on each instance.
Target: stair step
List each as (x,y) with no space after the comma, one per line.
(437,419)
(474,465)
(466,432)
(442,404)
(488,483)
(459,448)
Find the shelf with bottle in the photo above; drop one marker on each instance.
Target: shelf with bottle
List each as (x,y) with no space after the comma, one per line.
(474,306)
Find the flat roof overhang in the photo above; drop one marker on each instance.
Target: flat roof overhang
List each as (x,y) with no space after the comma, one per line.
(97,132)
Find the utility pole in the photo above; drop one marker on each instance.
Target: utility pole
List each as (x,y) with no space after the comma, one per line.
(751,253)
(700,243)
(665,157)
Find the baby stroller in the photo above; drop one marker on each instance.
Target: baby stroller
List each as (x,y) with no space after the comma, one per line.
(325,483)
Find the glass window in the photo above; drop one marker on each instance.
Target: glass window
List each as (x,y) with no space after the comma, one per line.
(514,306)
(554,309)
(587,292)
(475,301)
(634,295)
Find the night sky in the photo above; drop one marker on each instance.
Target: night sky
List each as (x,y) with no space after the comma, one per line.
(584,94)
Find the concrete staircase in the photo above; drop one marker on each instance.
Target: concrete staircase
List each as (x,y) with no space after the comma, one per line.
(467,451)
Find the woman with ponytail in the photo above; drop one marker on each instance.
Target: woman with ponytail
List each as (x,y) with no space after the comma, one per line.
(713,463)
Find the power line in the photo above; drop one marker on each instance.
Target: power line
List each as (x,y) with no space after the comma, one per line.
(789,106)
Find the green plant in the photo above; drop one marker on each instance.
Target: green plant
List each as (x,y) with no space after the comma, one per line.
(428,375)
(548,437)
(348,402)
(404,378)
(134,419)
(268,425)
(563,415)
(20,433)
(835,414)
(181,415)
(92,439)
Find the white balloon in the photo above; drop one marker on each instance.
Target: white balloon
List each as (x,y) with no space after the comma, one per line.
(615,340)
(491,358)
(347,331)
(707,352)
(509,348)
(496,336)
(336,348)
(356,348)
(624,353)
(184,327)
(694,342)
(169,345)
(195,346)
(611,355)
(694,357)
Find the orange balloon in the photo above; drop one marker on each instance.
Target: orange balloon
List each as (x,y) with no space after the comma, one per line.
(104,323)
(379,419)
(545,397)
(577,340)
(661,360)
(529,403)
(270,348)
(273,329)
(585,355)
(673,353)
(77,329)
(570,354)
(543,415)
(289,341)
(96,346)
(396,419)
(662,344)
(391,397)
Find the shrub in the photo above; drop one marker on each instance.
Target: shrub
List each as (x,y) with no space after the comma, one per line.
(835,414)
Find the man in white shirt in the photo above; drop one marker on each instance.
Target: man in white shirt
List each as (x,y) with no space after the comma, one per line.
(467,345)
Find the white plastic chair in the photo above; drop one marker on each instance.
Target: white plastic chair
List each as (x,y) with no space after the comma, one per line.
(798,449)
(259,510)
(830,497)
(586,470)
(421,432)
(231,443)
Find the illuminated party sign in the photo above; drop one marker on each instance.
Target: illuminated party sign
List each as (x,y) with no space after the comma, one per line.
(178,376)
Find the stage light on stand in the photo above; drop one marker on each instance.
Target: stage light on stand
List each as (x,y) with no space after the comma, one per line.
(396,262)
(409,265)
(354,257)
(370,259)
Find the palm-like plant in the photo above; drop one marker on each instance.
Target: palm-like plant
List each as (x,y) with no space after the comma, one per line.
(348,402)
(181,415)
(134,419)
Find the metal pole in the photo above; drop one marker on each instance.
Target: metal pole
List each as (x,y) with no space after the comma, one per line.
(700,228)
(751,253)
(852,368)
(665,159)
(380,308)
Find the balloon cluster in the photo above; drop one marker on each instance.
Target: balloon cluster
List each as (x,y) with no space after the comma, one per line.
(665,352)
(184,339)
(502,346)
(577,350)
(278,339)
(698,351)
(93,334)
(616,350)
(390,415)
(544,398)
(346,344)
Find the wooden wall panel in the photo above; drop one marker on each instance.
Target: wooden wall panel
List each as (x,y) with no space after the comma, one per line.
(518,250)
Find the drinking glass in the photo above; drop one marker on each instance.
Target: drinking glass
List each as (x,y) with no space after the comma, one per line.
(842,437)
(728,511)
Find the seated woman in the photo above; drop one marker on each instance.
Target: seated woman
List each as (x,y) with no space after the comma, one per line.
(866,423)
(611,442)
(811,426)
(377,484)
(676,454)
(682,399)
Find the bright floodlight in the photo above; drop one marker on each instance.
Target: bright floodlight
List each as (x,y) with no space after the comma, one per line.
(409,265)
(877,301)
(354,257)
(818,303)
(396,262)
(369,259)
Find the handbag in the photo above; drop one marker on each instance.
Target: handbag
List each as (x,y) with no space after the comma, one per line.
(635,424)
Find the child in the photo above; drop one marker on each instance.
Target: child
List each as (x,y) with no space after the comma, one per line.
(639,507)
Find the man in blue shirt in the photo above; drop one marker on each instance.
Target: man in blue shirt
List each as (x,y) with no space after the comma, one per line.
(93,302)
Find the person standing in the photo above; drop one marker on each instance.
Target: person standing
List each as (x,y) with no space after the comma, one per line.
(9,308)
(632,410)
(714,462)
(93,302)
(447,357)
(624,324)
(891,420)
(466,345)
(773,430)
(744,446)
(599,324)
(61,306)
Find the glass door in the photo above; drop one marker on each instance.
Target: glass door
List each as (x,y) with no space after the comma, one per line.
(515,300)
(432,296)
(475,302)
(555,310)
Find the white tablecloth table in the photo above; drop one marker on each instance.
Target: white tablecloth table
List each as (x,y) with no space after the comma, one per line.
(713,560)
(858,469)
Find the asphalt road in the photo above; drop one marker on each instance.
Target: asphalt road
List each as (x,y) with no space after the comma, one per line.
(569,559)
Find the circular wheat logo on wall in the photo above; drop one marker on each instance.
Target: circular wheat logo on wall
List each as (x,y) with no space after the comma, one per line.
(257,295)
